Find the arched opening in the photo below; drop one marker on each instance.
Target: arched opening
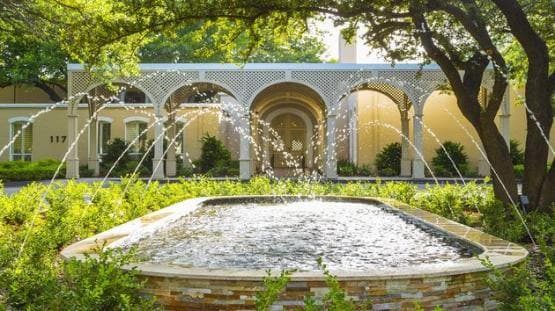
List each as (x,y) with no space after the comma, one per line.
(195,111)
(374,121)
(288,122)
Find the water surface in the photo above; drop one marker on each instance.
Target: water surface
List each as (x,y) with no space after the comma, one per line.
(347,235)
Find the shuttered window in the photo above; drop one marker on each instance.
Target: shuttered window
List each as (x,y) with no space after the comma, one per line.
(104,136)
(22,147)
(133,129)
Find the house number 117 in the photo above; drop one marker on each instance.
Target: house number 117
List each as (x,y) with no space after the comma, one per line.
(57,139)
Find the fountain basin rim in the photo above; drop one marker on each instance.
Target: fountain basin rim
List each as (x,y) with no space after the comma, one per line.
(501,253)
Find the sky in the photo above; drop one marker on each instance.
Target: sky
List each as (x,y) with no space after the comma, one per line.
(331,40)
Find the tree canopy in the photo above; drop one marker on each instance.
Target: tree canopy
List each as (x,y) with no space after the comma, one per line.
(508,38)
(37,43)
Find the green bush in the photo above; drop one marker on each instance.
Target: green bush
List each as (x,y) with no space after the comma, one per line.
(388,161)
(521,289)
(517,155)
(128,162)
(215,159)
(519,170)
(48,218)
(346,168)
(30,171)
(443,166)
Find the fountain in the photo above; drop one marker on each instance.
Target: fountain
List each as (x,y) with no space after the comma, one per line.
(212,253)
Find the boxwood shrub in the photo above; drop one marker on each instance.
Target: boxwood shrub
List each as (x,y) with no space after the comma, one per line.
(36,170)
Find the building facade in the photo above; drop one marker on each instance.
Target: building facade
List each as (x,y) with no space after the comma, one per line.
(278,118)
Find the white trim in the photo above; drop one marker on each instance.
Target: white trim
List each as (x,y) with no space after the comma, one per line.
(11,121)
(105,119)
(271,66)
(19,119)
(136,118)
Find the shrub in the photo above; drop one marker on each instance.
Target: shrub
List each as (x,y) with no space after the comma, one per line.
(215,159)
(30,171)
(388,161)
(443,166)
(127,164)
(102,284)
(517,156)
(519,170)
(346,168)
(520,289)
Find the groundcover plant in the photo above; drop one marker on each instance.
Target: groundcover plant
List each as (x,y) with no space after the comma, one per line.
(37,222)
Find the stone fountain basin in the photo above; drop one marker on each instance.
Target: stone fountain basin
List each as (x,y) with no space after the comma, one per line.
(179,287)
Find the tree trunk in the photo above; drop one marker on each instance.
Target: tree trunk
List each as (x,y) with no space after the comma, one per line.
(495,147)
(538,185)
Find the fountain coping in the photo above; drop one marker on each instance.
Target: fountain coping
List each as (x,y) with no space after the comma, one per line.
(501,253)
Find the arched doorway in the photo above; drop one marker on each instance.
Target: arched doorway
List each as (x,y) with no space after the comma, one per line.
(290,134)
(288,122)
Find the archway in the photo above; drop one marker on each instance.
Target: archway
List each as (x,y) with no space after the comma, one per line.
(375,115)
(288,130)
(204,108)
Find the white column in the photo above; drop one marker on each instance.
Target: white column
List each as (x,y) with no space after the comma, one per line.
(417,162)
(405,147)
(331,154)
(93,162)
(171,168)
(158,161)
(504,117)
(352,101)
(244,148)
(72,161)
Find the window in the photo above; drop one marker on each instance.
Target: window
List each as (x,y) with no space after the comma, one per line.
(132,130)
(104,136)
(22,147)
(134,97)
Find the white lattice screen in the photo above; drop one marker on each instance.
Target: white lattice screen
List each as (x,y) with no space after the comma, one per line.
(330,81)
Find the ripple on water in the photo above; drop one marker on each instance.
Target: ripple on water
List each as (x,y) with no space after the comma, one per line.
(348,236)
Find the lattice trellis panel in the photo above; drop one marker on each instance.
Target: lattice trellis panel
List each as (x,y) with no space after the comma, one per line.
(331,85)
(245,83)
(396,94)
(163,83)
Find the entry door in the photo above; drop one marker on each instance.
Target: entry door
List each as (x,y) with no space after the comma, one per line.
(289,147)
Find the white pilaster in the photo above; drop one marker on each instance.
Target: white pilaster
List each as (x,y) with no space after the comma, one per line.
(93,162)
(352,101)
(331,154)
(72,161)
(244,148)
(417,162)
(405,147)
(505,118)
(158,161)
(171,168)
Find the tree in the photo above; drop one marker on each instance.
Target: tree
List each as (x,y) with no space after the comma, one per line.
(466,36)
(28,52)
(199,43)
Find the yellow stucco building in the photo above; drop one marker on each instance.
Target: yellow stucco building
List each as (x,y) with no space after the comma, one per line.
(272,117)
